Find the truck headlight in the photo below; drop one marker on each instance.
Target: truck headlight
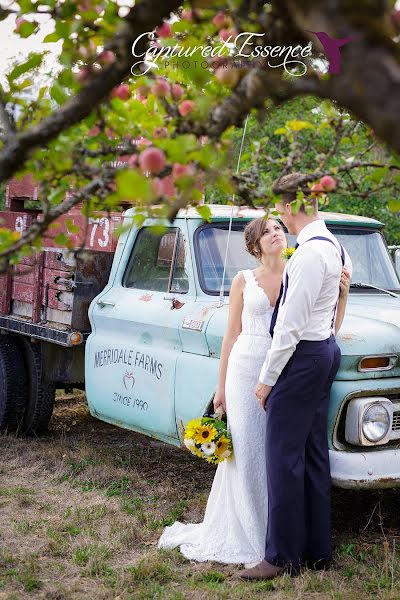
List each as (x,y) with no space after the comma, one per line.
(376,423)
(369,421)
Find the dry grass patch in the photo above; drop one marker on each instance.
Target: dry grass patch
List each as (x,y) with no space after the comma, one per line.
(82,510)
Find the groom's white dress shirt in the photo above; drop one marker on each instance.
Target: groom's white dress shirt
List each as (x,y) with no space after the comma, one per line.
(314,273)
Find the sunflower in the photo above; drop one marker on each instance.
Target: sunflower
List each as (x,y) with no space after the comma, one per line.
(223,445)
(192,428)
(205,433)
(197,451)
(287,253)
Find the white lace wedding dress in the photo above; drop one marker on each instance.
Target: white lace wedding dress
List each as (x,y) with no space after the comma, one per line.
(235,520)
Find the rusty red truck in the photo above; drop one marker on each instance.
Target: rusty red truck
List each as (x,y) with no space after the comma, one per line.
(44,302)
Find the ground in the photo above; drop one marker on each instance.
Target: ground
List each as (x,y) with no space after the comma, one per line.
(81,510)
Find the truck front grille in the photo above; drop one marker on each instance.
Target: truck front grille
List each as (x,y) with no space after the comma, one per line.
(396,421)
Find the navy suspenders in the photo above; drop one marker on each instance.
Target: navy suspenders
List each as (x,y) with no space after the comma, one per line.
(284,287)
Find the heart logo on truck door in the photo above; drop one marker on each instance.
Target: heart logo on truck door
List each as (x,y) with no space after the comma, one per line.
(129,380)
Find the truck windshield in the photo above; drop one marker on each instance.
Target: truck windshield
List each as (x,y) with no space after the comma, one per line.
(371,261)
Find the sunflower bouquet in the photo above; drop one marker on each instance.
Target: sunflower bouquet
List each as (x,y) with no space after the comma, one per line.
(208,438)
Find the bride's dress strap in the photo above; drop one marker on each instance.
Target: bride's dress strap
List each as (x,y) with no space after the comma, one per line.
(248,275)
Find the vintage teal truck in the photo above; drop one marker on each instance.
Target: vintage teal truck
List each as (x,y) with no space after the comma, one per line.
(151,359)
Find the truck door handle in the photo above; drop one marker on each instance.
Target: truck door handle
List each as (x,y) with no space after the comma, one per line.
(175,303)
(103,303)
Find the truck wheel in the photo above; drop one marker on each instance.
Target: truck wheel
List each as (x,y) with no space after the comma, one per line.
(13,385)
(40,403)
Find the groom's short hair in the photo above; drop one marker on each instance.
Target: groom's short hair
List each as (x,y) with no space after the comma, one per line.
(288,186)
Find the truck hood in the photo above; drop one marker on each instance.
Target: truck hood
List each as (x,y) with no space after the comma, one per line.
(371,320)
(371,327)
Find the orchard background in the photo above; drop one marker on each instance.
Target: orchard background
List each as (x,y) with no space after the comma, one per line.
(78,114)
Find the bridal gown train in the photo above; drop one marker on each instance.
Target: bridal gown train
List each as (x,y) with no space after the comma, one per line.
(235,521)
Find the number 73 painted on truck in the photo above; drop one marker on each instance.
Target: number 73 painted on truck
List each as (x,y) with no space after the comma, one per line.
(151,360)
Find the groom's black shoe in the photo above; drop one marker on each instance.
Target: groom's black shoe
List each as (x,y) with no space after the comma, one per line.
(264,570)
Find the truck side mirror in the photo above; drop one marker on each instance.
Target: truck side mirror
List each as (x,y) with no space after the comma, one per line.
(397,261)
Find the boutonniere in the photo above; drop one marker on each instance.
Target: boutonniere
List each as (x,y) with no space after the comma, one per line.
(288,253)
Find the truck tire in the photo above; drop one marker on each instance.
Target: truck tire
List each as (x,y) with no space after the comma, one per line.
(13,385)
(40,403)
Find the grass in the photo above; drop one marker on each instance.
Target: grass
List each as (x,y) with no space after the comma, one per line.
(82,510)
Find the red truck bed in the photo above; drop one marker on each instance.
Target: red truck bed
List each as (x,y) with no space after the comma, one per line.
(47,295)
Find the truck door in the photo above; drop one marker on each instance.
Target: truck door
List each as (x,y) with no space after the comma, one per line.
(132,351)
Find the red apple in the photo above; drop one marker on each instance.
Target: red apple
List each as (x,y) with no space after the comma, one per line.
(179,170)
(177,91)
(95,130)
(152,160)
(317,188)
(187,14)
(121,91)
(164,31)
(186,107)
(227,76)
(328,183)
(83,74)
(161,87)
(106,57)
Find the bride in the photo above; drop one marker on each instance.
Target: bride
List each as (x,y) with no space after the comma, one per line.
(235,522)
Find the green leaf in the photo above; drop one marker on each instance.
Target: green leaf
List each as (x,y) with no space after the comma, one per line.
(378,174)
(63,29)
(394,205)
(34,61)
(296,125)
(27,28)
(204,211)
(280,131)
(61,239)
(58,93)
(72,227)
(178,148)
(52,37)
(132,185)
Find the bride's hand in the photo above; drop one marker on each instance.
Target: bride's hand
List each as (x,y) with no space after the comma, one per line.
(219,400)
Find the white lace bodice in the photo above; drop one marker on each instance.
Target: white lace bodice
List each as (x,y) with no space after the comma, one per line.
(257,310)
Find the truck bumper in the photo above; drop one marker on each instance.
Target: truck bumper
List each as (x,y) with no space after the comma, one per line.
(374,469)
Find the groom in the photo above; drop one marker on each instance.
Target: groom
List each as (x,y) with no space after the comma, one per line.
(294,386)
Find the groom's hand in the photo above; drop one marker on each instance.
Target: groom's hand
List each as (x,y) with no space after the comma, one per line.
(262,393)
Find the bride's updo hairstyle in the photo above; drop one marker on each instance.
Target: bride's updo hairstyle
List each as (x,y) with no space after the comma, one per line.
(253,233)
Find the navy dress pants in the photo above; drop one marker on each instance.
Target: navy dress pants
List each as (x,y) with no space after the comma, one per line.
(298,472)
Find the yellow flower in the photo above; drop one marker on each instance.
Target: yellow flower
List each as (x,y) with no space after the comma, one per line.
(197,452)
(206,433)
(192,428)
(288,253)
(223,445)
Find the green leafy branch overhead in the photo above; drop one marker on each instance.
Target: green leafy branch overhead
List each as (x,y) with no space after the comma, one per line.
(167,135)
